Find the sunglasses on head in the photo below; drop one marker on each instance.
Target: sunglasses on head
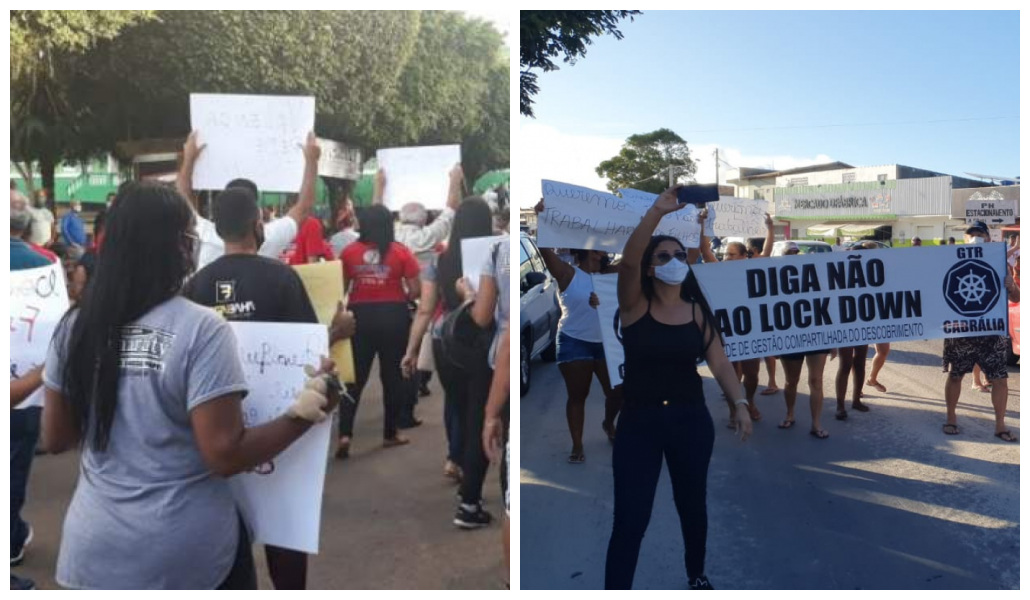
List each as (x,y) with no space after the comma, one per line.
(663,257)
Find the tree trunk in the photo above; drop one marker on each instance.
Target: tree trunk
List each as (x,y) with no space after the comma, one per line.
(46,174)
(25,170)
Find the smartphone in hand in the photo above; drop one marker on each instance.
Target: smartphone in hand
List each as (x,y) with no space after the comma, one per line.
(697,194)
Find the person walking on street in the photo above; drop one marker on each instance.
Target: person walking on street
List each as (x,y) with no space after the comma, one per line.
(667,328)
(987,351)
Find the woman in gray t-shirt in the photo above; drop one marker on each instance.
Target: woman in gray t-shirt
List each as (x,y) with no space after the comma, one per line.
(149,385)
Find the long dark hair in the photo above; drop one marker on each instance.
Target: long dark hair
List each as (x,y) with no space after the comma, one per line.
(146,256)
(690,291)
(473,219)
(376,228)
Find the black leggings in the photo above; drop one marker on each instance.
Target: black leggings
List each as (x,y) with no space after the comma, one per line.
(382,329)
(684,434)
(467,389)
(242,576)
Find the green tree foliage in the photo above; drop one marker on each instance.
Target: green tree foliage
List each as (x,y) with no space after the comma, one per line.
(546,34)
(45,124)
(644,160)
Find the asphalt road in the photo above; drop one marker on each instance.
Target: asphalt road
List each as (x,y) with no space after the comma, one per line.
(386,514)
(887,502)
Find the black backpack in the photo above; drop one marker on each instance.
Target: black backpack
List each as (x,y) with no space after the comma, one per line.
(464,343)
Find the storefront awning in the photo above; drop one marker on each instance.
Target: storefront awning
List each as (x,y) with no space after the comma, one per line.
(824,230)
(860,229)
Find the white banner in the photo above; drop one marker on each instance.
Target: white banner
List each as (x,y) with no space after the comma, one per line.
(338,160)
(255,137)
(992,212)
(738,217)
(831,300)
(475,255)
(579,217)
(686,217)
(418,174)
(39,298)
(605,286)
(282,500)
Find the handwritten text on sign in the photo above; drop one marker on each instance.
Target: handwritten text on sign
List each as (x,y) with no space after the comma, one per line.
(39,298)
(254,137)
(579,217)
(837,299)
(418,174)
(282,500)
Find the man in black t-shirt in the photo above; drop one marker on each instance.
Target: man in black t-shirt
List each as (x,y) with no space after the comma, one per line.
(243,286)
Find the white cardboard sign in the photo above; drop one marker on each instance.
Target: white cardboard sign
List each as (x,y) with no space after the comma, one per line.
(418,174)
(39,298)
(282,500)
(579,217)
(475,255)
(605,286)
(738,217)
(255,137)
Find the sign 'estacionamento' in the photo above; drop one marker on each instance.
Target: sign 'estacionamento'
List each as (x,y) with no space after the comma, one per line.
(787,305)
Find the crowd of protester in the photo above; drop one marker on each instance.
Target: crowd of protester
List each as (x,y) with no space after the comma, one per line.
(159,438)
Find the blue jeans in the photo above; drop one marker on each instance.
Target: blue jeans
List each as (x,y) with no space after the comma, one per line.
(451,414)
(24,435)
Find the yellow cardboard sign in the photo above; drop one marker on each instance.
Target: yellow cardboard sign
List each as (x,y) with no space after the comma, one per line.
(324,284)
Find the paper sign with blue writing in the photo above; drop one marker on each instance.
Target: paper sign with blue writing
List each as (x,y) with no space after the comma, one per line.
(39,298)
(685,220)
(418,174)
(605,286)
(828,300)
(324,285)
(579,217)
(475,256)
(250,136)
(281,500)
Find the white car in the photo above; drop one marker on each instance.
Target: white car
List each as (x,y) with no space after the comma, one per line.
(805,247)
(539,311)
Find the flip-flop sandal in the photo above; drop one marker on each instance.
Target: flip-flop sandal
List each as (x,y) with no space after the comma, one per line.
(395,441)
(786,424)
(755,414)
(859,407)
(769,391)
(951,429)
(1006,436)
(819,433)
(842,415)
(577,459)
(879,386)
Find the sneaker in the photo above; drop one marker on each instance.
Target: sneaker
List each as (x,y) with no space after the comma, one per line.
(22,583)
(472,516)
(701,583)
(16,559)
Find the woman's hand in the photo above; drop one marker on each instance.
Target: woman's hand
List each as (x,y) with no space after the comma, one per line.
(493,430)
(464,289)
(667,202)
(191,150)
(768,221)
(594,300)
(409,364)
(743,422)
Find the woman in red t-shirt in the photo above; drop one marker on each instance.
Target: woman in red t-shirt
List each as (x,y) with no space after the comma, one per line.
(383,276)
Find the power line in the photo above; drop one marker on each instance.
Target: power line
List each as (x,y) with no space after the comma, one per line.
(850,124)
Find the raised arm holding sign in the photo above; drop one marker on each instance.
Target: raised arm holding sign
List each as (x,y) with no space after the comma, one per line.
(419,174)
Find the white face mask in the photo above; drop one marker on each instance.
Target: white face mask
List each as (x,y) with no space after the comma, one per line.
(672,272)
(976,240)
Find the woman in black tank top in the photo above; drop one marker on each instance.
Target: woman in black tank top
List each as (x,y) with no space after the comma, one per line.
(667,328)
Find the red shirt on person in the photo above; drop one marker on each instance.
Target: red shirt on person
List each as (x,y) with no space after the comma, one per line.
(309,243)
(372,280)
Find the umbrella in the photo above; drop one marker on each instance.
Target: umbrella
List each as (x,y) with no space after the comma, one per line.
(362,193)
(491,179)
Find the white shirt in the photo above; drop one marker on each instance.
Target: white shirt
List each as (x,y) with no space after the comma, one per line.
(279,234)
(42,225)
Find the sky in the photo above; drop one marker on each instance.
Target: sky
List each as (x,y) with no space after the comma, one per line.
(782,89)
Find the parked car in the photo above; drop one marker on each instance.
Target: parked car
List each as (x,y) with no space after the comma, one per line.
(805,246)
(879,244)
(539,311)
(1013,356)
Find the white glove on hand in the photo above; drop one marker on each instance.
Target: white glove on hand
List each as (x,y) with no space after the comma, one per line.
(311,400)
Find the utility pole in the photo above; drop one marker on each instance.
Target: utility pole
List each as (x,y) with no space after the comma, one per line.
(716,168)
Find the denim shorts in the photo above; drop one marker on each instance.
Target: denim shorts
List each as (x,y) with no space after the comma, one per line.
(571,349)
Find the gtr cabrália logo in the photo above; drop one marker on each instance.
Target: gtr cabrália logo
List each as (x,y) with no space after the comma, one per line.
(972,288)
